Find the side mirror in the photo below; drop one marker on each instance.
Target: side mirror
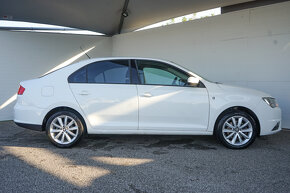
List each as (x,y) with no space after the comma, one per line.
(192,81)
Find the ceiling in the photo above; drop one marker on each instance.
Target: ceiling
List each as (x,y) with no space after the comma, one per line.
(104,16)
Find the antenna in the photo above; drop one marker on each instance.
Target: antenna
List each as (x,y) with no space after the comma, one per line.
(85,53)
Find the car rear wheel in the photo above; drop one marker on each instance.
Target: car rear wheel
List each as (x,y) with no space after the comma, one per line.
(64,129)
(236,130)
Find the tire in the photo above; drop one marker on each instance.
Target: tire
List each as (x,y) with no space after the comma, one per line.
(64,129)
(236,129)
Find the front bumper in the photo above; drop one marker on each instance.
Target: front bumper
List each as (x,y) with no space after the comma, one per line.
(270,119)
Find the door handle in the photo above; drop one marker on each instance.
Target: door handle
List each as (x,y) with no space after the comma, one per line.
(147,94)
(84,92)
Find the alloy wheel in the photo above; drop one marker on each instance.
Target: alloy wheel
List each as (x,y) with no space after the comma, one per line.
(64,129)
(237,130)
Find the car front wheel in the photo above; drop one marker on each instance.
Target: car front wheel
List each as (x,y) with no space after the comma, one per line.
(64,129)
(236,130)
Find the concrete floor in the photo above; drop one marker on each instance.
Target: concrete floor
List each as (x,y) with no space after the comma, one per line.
(29,163)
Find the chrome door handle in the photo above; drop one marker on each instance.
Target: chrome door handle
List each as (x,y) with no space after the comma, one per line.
(147,94)
(84,92)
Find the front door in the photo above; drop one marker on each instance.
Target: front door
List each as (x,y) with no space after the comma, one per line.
(167,103)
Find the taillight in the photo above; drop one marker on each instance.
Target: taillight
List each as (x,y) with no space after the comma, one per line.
(21,90)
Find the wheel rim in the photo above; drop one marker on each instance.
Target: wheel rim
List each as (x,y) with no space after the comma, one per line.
(237,130)
(64,129)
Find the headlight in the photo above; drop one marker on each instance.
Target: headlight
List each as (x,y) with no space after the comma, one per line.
(271,101)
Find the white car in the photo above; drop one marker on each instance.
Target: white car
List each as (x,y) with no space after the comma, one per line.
(142,96)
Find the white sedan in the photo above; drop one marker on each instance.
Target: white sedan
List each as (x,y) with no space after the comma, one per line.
(142,96)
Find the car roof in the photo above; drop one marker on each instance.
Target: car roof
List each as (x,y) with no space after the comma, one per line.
(124,58)
(133,58)
(143,58)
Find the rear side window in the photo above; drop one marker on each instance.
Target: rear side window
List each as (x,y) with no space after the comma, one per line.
(115,71)
(79,76)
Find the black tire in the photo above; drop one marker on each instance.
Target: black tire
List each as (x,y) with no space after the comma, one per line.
(77,124)
(228,142)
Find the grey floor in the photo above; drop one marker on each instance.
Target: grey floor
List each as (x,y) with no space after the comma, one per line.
(29,163)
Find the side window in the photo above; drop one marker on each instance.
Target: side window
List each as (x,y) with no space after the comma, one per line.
(79,76)
(157,73)
(114,71)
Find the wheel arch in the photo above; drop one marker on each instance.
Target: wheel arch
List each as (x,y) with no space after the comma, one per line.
(63,108)
(241,108)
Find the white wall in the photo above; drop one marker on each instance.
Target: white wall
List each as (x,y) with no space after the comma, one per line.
(26,55)
(249,48)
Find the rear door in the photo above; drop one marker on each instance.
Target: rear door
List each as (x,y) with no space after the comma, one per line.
(104,92)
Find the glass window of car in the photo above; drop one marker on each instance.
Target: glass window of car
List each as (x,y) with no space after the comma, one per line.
(113,71)
(158,73)
(134,73)
(79,76)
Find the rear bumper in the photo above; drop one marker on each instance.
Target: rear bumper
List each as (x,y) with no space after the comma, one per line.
(28,115)
(30,126)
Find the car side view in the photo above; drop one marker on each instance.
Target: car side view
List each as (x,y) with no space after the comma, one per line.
(142,96)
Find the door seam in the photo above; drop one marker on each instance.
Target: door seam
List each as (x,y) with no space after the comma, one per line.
(138,106)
